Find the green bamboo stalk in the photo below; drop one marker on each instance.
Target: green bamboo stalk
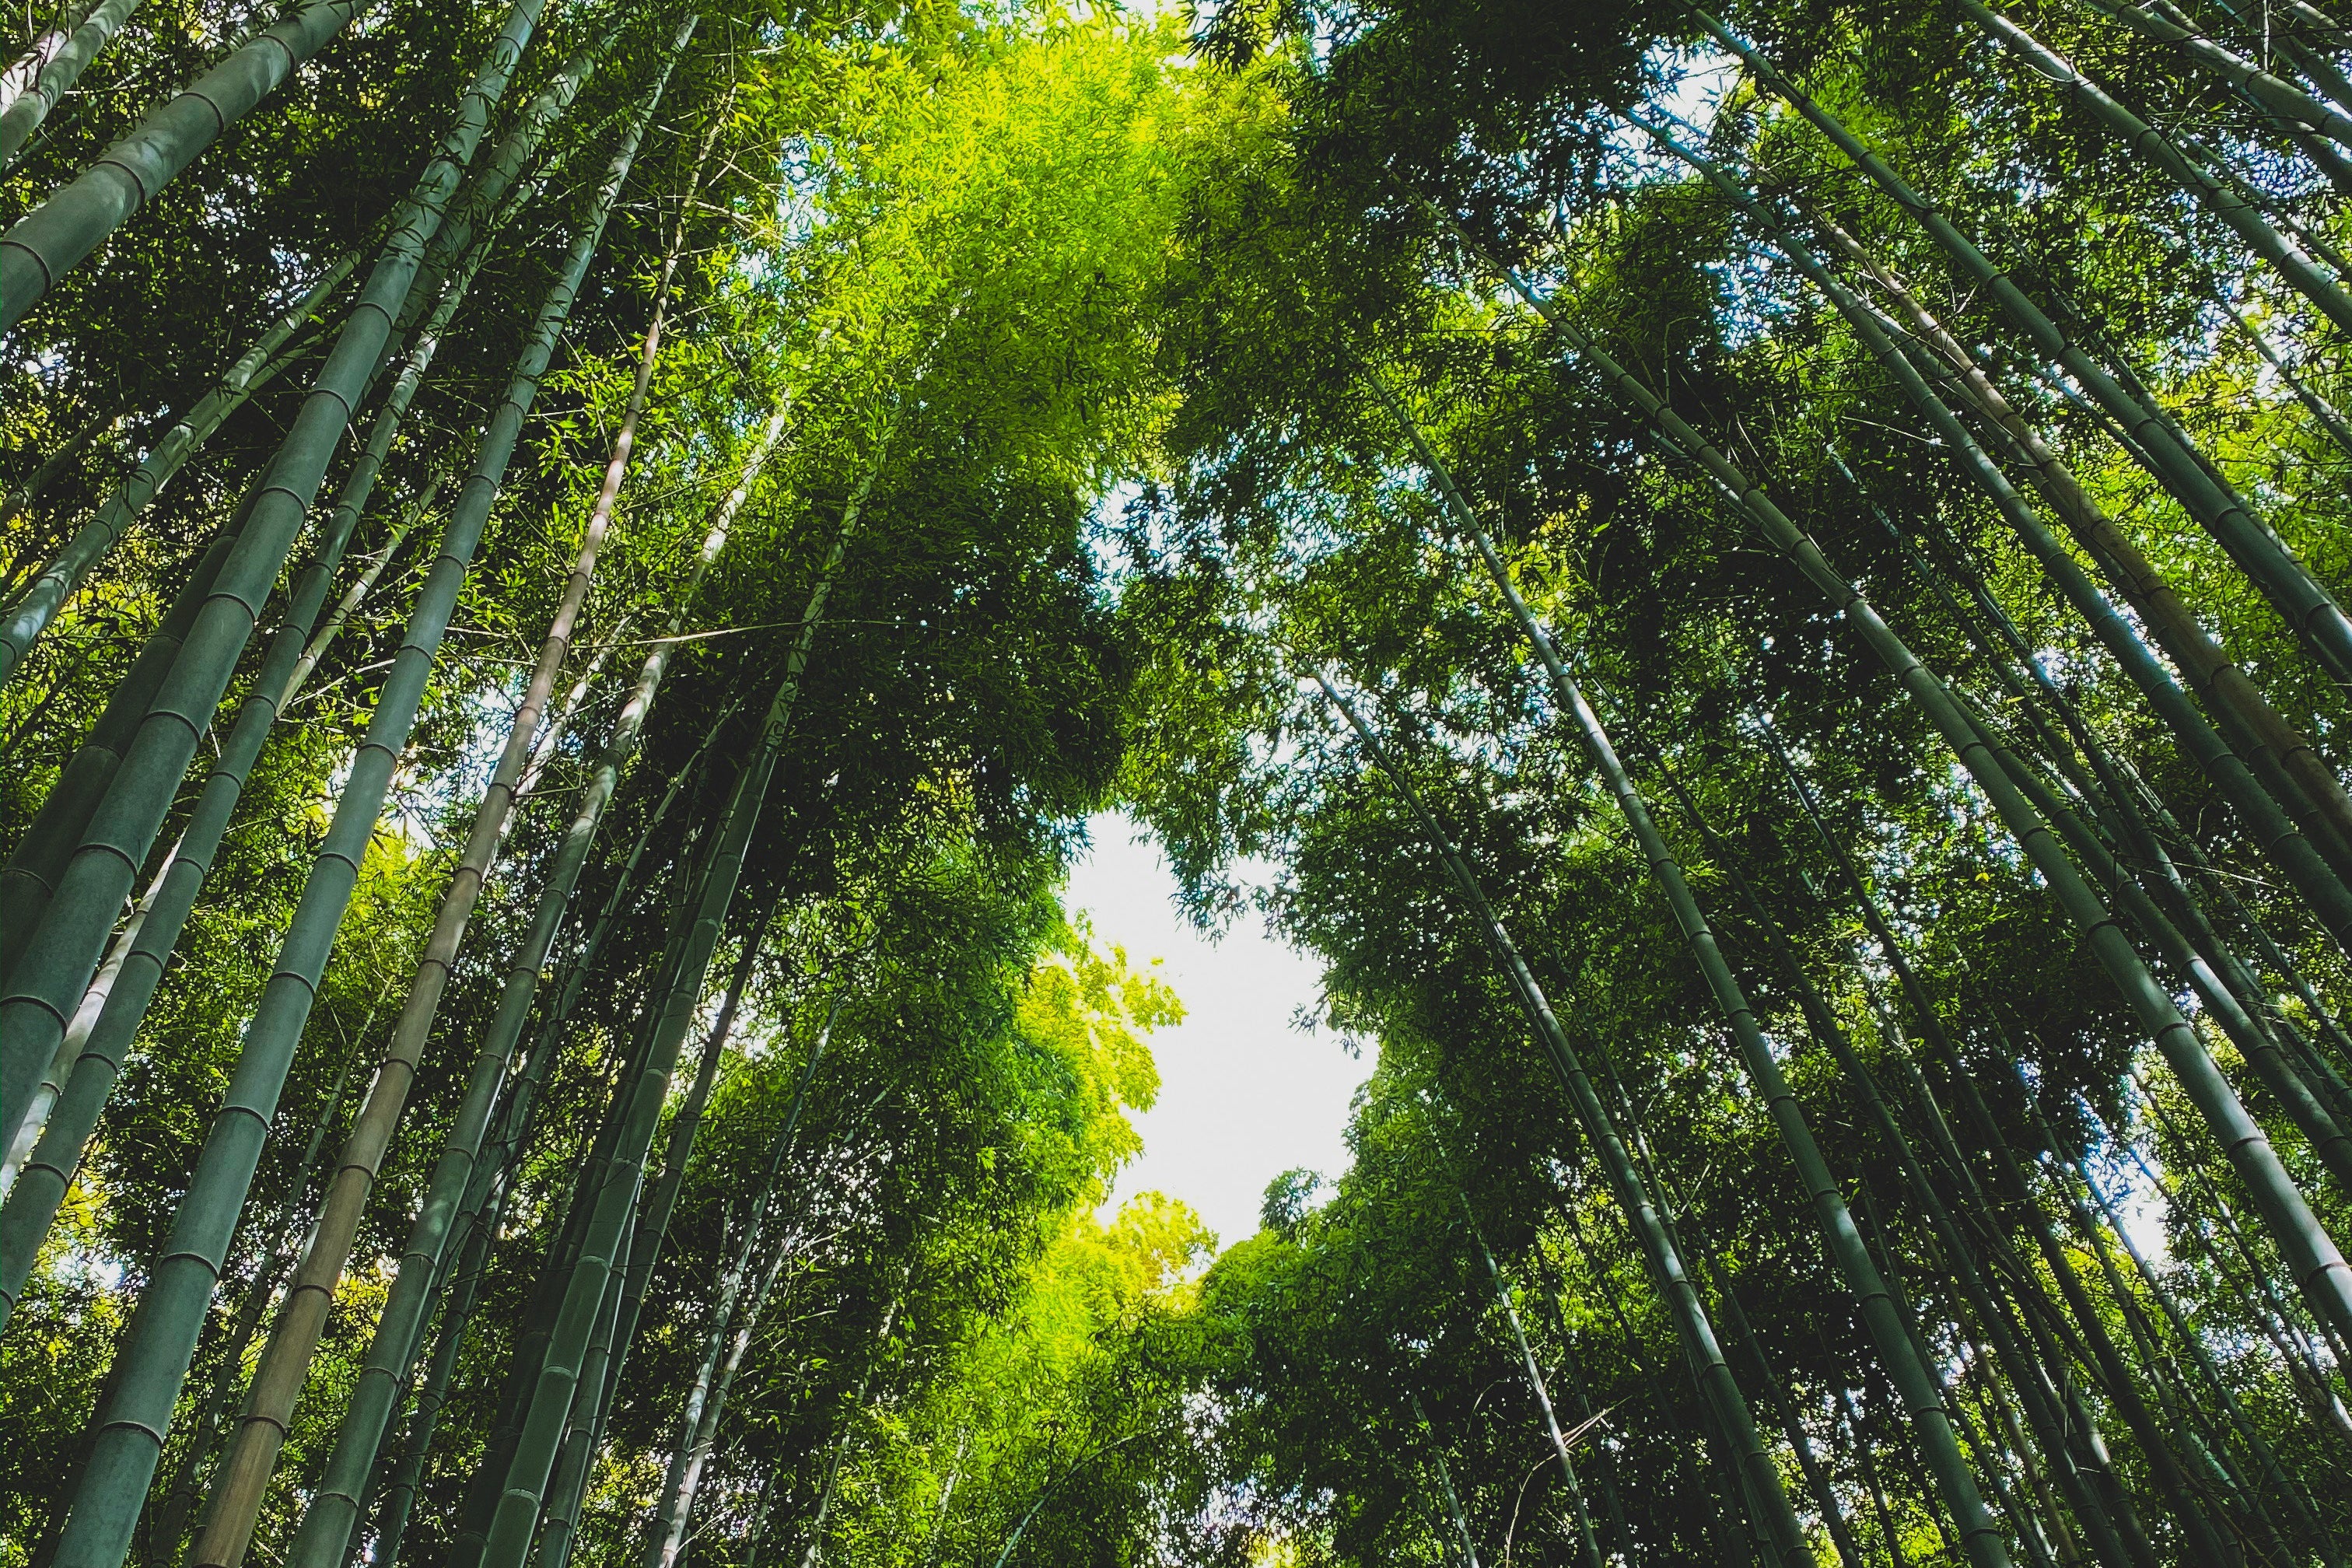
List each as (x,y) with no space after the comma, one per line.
(489,191)
(1672,1207)
(1962,1263)
(560,1257)
(2186,1332)
(332,1511)
(2051,1426)
(285,1364)
(1922,1395)
(1818,1480)
(22,497)
(601,1373)
(2319,1268)
(78,1033)
(479,1228)
(698,1425)
(2268,826)
(1586,1411)
(1444,1483)
(660,1200)
(2254,1040)
(2118,1380)
(2262,1029)
(2317,620)
(19,78)
(2144,139)
(2285,762)
(516,1520)
(1761,1480)
(181,1493)
(173,1304)
(2296,1353)
(76,220)
(64,952)
(33,871)
(284,666)
(2276,94)
(584,1435)
(1587,1543)
(58,75)
(486,1187)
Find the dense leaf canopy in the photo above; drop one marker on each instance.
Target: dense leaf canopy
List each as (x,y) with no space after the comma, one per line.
(1760,590)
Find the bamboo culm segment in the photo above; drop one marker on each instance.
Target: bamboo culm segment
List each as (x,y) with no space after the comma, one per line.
(57,78)
(516,1521)
(44,984)
(2144,139)
(2319,1268)
(1761,1480)
(732,1326)
(2316,618)
(332,1511)
(1922,1397)
(2259,814)
(260,365)
(31,870)
(172,1308)
(285,1362)
(293,650)
(76,221)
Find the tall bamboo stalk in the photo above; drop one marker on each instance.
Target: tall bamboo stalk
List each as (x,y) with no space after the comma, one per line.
(285,665)
(2262,817)
(2319,1268)
(57,75)
(33,871)
(1587,1543)
(181,1492)
(706,1402)
(334,1509)
(1761,1480)
(515,1522)
(2307,607)
(1445,1484)
(174,1302)
(285,1362)
(76,220)
(1922,1395)
(2144,139)
(57,965)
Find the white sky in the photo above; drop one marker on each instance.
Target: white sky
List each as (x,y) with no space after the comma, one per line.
(1243,1095)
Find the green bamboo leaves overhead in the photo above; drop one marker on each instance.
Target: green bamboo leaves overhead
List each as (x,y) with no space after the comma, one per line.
(1789,559)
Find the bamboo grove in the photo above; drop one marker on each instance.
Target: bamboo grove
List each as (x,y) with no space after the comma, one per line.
(1762,590)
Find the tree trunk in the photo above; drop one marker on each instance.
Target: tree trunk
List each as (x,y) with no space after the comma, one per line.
(1445,1484)
(76,220)
(31,615)
(57,75)
(1922,1397)
(1586,1542)
(182,1493)
(2300,859)
(289,660)
(2319,1268)
(1717,1388)
(64,952)
(285,1363)
(516,1520)
(2317,620)
(172,1305)
(334,1509)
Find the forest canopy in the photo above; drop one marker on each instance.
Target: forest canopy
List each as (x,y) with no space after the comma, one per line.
(1760,591)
